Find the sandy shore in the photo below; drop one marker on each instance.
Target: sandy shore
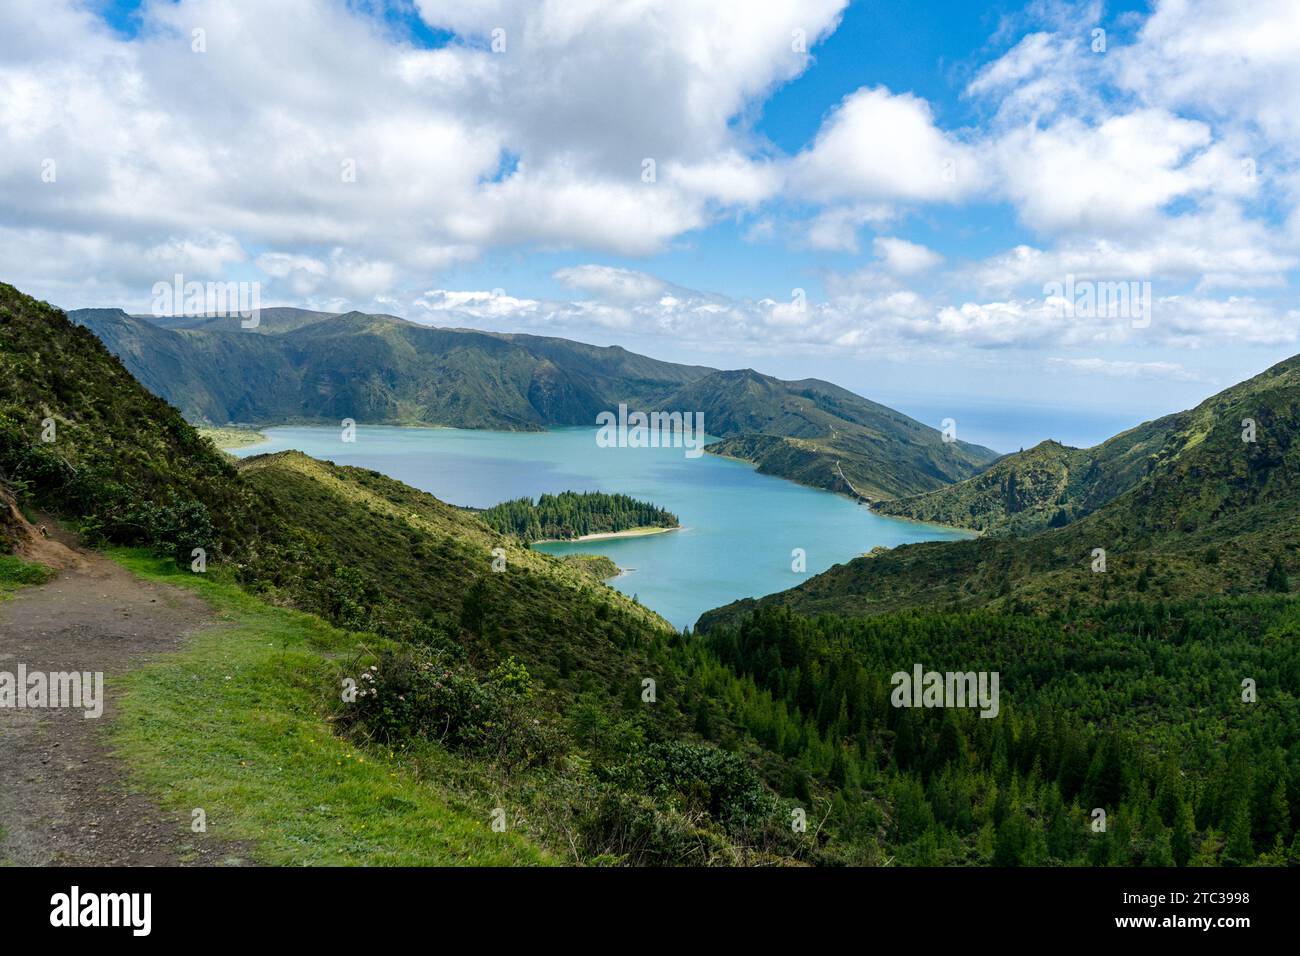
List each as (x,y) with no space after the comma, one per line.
(629,533)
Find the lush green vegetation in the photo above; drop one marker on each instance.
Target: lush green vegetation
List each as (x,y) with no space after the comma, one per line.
(1047,486)
(1051,485)
(1134,708)
(573,514)
(245,723)
(237,725)
(302,366)
(1213,514)
(546,664)
(371,554)
(596,565)
(825,436)
(79,436)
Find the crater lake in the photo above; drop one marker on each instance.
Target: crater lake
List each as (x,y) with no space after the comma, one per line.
(739,528)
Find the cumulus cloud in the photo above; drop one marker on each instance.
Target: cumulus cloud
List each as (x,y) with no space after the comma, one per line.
(903,257)
(317,147)
(878,145)
(305,127)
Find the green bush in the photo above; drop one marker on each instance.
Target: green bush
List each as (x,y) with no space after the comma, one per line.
(703,778)
(422,692)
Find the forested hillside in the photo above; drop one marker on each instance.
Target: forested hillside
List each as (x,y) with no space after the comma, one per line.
(821,435)
(1134,709)
(515,676)
(1051,485)
(1129,645)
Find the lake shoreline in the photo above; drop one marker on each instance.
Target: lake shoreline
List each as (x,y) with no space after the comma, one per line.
(973,533)
(607,535)
(859,499)
(228,437)
(743,524)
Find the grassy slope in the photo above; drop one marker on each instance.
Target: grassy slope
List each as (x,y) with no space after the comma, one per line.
(425,556)
(371,556)
(285,521)
(233,724)
(1210,517)
(119,452)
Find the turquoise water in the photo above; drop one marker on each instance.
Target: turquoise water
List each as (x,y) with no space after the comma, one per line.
(738,527)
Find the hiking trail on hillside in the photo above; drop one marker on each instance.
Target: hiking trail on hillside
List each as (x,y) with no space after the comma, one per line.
(65,800)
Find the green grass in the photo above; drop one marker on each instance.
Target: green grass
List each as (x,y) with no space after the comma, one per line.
(234,724)
(16,573)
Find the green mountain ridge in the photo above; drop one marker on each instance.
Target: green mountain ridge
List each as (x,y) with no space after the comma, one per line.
(1183,507)
(310,367)
(1051,484)
(825,436)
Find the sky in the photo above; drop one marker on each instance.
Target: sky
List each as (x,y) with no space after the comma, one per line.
(1071,215)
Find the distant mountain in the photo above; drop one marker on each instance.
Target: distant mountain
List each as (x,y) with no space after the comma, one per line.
(1183,507)
(314,367)
(822,435)
(302,366)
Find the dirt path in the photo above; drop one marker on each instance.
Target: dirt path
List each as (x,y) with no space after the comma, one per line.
(64,799)
(843,478)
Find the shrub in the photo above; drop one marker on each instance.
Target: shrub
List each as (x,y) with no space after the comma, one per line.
(421,692)
(704,778)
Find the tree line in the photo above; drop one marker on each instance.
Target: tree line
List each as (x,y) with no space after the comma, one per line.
(572,514)
(1125,735)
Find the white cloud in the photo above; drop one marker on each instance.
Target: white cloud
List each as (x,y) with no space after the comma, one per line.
(836,228)
(1172,158)
(878,145)
(903,257)
(1239,62)
(1114,176)
(612,283)
(454,150)
(868,314)
(1120,368)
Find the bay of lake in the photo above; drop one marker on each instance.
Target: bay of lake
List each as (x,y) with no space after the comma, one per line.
(739,528)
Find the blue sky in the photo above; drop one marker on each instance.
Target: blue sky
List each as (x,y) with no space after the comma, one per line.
(891,205)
